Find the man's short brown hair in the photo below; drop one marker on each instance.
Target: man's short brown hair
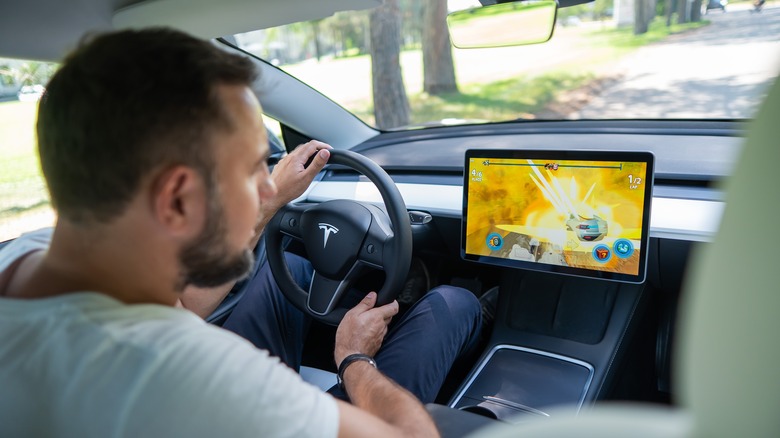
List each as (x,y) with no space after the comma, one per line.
(125,103)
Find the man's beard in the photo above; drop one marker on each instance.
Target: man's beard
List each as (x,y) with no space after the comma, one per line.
(207,261)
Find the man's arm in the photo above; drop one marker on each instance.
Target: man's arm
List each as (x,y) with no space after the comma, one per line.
(292,178)
(394,411)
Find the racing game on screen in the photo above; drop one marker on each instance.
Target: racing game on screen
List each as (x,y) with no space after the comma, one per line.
(579,214)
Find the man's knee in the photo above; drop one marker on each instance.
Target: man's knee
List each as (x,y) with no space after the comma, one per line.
(462,304)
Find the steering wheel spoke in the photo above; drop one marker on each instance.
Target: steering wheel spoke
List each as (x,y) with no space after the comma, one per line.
(380,233)
(325,293)
(289,219)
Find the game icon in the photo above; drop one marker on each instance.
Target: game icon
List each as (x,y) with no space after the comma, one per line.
(602,253)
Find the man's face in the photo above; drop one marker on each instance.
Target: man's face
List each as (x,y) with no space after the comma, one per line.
(208,261)
(222,251)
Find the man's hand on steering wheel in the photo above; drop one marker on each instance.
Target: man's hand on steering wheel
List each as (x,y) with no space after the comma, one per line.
(363,328)
(292,177)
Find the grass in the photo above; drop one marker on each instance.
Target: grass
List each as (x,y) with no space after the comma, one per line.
(21,184)
(500,100)
(24,201)
(508,99)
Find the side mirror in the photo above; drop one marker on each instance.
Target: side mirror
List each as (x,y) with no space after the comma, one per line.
(504,24)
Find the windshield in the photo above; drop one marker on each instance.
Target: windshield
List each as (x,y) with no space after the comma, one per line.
(394,66)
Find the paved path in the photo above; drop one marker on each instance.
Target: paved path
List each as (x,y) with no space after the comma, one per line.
(719,71)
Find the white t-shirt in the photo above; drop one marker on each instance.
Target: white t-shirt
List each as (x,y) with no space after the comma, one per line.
(87,365)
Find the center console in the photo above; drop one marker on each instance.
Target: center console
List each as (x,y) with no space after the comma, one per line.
(557,342)
(572,227)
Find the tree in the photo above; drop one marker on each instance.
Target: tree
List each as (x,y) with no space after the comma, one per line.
(683,11)
(350,32)
(696,10)
(6,75)
(412,12)
(439,71)
(315,30)
(391,106)
(644,12)
(26,72)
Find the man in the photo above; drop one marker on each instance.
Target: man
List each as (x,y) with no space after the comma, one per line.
(449,316)
(155,155)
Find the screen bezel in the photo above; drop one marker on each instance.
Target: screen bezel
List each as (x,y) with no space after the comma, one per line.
(553,155)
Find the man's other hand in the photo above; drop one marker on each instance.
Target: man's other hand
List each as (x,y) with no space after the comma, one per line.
(363,328)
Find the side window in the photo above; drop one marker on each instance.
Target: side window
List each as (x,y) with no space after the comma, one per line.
(275,141)
(24,200)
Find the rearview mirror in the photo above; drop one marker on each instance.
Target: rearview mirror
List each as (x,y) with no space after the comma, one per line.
(503,24)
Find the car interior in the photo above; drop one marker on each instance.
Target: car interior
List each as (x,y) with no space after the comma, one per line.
(677,313)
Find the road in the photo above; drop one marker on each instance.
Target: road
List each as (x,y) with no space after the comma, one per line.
(723,71)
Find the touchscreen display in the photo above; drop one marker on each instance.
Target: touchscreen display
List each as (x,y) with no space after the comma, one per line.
(574,212)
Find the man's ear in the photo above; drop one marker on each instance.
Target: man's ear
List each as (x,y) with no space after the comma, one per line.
(179,200)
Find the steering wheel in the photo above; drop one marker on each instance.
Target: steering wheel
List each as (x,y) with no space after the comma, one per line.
(341,238)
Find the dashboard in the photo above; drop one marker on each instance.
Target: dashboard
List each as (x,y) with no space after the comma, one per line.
(427,166)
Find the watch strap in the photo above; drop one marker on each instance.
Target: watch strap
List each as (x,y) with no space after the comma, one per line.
(349,360)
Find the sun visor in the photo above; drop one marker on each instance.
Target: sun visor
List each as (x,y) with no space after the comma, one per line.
(210,19)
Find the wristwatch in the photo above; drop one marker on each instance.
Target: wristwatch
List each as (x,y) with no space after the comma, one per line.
(352,358)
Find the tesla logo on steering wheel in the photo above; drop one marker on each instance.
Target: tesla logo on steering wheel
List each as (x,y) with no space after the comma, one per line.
(327,228)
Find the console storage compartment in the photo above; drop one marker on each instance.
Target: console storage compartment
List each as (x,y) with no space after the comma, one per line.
(513,382)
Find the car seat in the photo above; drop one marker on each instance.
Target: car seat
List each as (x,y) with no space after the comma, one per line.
(727,371)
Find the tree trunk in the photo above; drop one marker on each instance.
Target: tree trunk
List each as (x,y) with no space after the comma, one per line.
(439,71)
(682,11)
(644,13)
(651,10)
(640,17)
(668,11)
(391,106)
(696,10)
(315,28)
